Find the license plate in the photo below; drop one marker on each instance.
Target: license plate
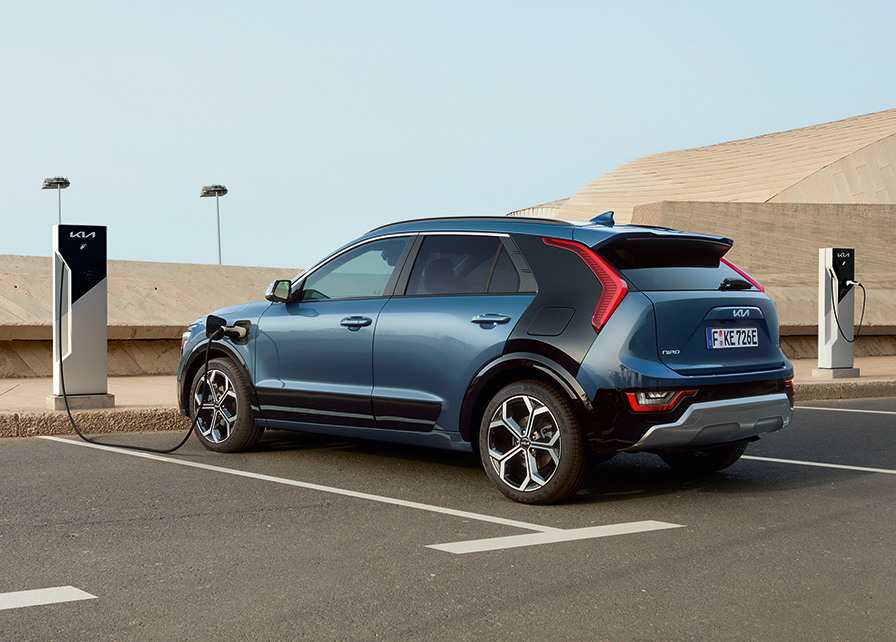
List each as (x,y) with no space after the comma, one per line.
(732,338)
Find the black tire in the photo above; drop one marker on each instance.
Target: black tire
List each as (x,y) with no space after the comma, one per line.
(221,399)
(531,443)
(705,461)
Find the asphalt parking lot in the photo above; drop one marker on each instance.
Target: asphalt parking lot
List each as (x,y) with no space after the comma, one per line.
(315,538)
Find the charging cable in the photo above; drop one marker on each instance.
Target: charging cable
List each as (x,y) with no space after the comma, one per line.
(834,305)
(217,334)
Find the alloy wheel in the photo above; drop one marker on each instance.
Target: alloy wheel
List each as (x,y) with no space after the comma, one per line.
(216,400)
(524,443)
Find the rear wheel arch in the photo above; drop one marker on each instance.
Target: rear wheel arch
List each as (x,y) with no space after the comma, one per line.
(506,371)
(531,443)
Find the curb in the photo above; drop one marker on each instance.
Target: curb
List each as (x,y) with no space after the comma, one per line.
(823,390)
(33,424)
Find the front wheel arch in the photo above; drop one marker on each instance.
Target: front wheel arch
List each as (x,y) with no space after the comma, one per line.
(196,362)
(220,408)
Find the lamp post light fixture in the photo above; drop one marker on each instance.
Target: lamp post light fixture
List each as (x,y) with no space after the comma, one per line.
(58,183)
(216,191)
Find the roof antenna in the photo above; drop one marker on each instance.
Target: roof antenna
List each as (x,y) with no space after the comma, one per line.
(604,219)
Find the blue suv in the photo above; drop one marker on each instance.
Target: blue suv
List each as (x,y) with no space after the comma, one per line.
(543,345)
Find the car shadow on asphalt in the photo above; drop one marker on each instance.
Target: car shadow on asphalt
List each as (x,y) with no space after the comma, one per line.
(625,477)
(644,475)
(287,440)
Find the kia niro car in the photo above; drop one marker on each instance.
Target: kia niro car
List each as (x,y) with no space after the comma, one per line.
(542,345)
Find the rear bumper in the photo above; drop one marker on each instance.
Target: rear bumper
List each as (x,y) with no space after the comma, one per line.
(717,422)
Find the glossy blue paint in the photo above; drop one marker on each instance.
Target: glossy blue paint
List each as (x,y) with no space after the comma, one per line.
(626,357)
(305,348)
(410,369)
(682,321)
(430,348)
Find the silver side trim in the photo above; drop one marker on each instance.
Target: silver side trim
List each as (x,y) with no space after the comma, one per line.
(718,422)
(315,411)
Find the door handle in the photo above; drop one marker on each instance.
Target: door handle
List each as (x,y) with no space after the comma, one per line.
(490,320)
(356,323)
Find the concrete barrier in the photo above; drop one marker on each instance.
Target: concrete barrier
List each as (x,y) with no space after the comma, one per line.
(150,305)
(778,244)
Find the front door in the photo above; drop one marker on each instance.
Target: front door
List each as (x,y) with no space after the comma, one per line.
(314,355)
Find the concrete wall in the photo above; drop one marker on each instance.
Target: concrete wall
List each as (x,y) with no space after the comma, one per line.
(150,305)
(778,244)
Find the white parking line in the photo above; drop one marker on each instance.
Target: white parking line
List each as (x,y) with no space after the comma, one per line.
(821,465)
(38,597)
(532,539)
(872,412)
(544,534)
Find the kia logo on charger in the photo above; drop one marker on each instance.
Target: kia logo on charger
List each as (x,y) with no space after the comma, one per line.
(81,235)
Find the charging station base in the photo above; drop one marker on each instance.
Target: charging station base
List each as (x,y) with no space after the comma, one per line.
(81,402)
(835,373)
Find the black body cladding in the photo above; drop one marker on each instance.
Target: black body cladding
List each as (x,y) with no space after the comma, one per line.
(565,283)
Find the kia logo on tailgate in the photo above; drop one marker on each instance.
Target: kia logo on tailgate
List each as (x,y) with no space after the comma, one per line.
(741,312)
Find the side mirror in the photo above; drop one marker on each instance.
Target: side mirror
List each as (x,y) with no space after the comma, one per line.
(279,291)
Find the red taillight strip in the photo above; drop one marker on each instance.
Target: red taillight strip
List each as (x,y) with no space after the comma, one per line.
(743,274)
(633,402)
(614,287)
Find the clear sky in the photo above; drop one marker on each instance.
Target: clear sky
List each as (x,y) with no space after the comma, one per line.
(326,119)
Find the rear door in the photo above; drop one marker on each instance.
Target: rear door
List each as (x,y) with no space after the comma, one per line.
(462,298)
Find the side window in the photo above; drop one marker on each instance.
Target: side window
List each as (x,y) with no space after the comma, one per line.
(459,264)
(505,278)
(363,272)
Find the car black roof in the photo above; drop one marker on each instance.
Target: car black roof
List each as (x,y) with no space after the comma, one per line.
(588,232)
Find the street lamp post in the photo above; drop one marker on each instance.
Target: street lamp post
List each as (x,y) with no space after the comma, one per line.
(58,183)
(216,191)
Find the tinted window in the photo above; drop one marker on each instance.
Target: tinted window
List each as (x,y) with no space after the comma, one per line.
(691,278)
(673,264)
(363,272)
(462,265)
(505,278)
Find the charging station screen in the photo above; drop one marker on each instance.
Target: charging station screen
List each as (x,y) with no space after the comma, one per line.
(83,248)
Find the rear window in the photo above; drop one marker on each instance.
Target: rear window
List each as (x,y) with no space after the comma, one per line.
(463,264)
(652,264)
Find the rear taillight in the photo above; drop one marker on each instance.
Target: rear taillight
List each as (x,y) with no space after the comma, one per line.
(749,278)
(613,286)
(789,385)
(656,401)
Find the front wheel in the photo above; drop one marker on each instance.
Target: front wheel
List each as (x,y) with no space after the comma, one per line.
(221,399)
(703,462)
(531,443)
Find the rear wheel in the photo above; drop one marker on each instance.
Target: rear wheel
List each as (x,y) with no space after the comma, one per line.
(708,460)
(531,444)
(221,399)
